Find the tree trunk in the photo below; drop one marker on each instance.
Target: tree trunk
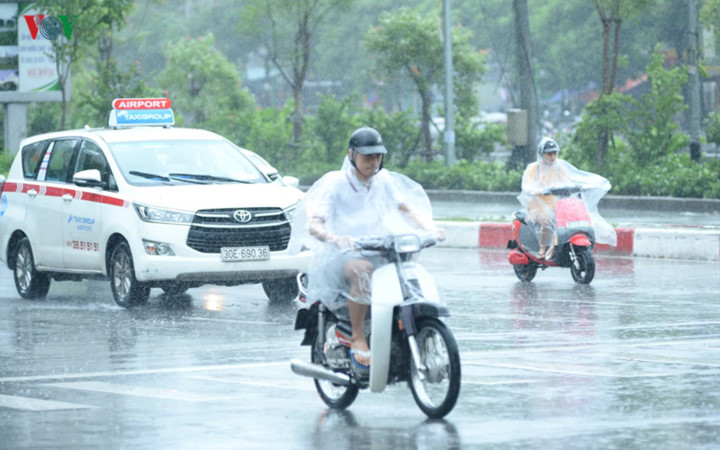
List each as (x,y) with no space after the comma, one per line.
(528,100)
(609,65)
(425,127)
(298,114)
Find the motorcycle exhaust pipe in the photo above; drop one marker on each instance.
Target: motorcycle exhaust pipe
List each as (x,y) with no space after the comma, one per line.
(311,370)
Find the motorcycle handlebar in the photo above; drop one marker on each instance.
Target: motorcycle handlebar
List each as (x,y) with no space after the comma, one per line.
(385,243)
(563,191)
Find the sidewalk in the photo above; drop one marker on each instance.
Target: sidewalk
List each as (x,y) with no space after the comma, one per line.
(658,227)
(657,242)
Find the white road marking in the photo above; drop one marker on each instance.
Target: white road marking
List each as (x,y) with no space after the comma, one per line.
(72,376)
(34,404)
(244,322)
(592,371)
(139,391)
(302,384)
(498,382)
(675,361)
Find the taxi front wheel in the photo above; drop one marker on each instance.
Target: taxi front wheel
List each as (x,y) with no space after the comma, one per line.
(127,290)
(29,282)
(281,290)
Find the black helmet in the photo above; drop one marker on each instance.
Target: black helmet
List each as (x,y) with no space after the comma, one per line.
(547,145)
(366,141)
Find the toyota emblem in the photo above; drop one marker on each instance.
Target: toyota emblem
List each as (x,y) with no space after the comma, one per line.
(242,215)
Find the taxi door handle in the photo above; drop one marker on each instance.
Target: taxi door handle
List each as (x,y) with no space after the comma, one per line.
(32,193)
(67,197)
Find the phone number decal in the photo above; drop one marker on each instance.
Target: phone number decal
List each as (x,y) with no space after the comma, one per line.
(84,246)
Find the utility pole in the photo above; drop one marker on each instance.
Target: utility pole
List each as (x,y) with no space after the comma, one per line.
(694,82)
(450,158)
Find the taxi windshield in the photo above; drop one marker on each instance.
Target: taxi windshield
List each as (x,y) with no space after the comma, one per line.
(154,162)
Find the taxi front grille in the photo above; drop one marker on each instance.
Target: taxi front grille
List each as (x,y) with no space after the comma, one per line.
(217,228)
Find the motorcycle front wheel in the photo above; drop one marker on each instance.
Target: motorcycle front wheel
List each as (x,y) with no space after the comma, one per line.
(336,396)
(583,269)
(436,390)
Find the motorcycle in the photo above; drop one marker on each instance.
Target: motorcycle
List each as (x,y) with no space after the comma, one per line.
(407,338)
(575,239)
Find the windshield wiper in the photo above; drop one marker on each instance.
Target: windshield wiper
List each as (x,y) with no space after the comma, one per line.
(205,178)
(151,176)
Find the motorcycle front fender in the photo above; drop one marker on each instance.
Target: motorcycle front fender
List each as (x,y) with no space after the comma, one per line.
(386,294)
(580,240)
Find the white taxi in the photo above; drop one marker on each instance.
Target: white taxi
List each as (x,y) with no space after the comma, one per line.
(146,206)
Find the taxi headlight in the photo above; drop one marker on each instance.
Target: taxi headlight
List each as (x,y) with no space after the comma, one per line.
(159,215)
(290,212)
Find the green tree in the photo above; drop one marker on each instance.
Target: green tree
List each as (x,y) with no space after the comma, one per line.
(288,29)
(710,16)
(202,83)
(649,126)
(408,43)
(645,126)
(336,120)
(106,83)
(612,13)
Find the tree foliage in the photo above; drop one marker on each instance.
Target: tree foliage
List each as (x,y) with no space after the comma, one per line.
(202,83)
(287,29)
(409,44)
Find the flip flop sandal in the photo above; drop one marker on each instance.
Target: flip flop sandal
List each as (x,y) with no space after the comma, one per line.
(361,370)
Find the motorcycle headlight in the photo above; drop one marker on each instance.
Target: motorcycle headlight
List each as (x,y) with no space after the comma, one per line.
(407,243)
(152,214)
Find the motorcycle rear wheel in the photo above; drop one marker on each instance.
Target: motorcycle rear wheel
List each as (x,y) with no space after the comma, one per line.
(585,270)
(436,392)
(334,395)
(525,272)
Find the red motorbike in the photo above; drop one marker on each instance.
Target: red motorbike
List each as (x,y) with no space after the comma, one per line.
(575,239)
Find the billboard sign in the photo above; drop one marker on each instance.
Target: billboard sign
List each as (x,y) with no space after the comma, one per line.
(27,72)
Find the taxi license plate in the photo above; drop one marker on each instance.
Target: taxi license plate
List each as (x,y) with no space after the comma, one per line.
(245,253)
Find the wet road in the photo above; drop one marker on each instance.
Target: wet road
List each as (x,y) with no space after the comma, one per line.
(632,361)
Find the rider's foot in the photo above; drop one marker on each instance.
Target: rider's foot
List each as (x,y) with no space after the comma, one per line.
(361,352)
(541,253)
(551,253)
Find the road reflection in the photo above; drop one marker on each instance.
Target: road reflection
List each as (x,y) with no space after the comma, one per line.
(540,308)
(340,430)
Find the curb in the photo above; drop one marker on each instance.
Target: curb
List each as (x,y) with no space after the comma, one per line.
(671,242)
(627,202)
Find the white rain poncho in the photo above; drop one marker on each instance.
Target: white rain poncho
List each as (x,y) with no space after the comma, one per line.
(350,208)
(541,175)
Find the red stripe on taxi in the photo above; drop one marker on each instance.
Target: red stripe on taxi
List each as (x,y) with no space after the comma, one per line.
(54,191)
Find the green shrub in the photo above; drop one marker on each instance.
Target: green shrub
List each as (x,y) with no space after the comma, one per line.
(712,128)
(6,159)
(672,176)
(477,176)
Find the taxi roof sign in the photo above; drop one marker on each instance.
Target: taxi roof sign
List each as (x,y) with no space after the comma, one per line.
(141,103)
(128,112)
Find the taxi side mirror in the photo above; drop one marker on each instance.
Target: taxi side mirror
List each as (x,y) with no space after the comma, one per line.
(291,181)
(89,178)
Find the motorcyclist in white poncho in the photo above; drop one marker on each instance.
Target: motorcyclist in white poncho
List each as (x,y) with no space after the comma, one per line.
(549,171)
(360,200)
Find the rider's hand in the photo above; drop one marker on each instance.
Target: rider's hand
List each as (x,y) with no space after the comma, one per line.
(344,242)
(439,234)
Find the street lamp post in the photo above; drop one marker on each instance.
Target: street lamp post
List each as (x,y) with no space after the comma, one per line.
(449,102)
